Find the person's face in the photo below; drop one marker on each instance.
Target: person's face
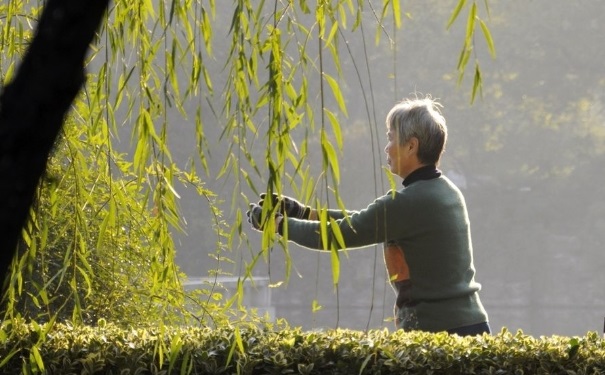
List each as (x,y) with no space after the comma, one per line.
(400,156)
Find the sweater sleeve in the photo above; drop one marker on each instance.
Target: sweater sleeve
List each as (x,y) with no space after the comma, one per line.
(338,214)
(363,228)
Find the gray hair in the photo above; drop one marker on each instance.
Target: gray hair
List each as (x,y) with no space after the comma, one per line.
(420,118)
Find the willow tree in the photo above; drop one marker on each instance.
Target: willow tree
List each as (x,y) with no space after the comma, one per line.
(103,223)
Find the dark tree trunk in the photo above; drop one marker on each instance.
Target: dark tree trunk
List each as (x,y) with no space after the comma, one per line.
(33,107)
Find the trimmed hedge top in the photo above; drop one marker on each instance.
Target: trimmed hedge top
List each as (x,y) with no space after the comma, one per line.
(64,349)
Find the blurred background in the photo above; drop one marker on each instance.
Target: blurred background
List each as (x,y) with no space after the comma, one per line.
(528,155)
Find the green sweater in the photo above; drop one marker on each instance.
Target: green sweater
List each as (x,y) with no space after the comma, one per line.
(428,223)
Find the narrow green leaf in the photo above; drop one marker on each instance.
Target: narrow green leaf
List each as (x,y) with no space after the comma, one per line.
(392,183)
(148,9)
(465,54)
(8,357)
(333,31)
(488,38)
(335,262)
(477,83)
(365,363)
(342,207)
(323,228)
(109,218)
(238,340)
(455,13)
(160,352)
(237,343)
(176,343)
(44,296)
(86,278)
(172,71)
(337,234)
(321,21)
(335,128)
(8,76)
(470,24)
(187,364)
(396,12)
(330,156)
(337,93)
(37,358)
(342,15)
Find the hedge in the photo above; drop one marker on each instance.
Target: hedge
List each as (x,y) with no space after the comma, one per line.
(107,349)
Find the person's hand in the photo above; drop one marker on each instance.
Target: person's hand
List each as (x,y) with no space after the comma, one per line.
(255,214)
(288,206)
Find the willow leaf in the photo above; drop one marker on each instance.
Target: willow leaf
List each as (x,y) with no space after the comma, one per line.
(172,71)
(237,342)
(333,31)
(335,262)
(321,21)
(465,54)
(342,15)
(330,156)
(86,277)
(335,128)
(337,234)
(323,228)
(396,12)
(455,13)
(470,24)
(488,38)
(477,83)
(176,344)
(379,30)
(148,9)
(9,355)
(159,351)
(207,79)
(337,93)
(391,179)
(44,233)
(37,358)
(103,229)
(342,207)
(8,76)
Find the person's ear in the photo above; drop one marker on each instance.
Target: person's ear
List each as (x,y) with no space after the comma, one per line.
(412,145)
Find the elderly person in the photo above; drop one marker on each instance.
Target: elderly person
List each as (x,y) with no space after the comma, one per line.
(424,227)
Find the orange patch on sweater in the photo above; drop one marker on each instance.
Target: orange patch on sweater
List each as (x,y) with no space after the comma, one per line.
(397,267)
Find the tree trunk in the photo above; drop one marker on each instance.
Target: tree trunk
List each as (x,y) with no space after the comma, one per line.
(33,107)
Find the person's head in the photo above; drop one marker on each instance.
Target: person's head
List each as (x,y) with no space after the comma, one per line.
(417,134)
